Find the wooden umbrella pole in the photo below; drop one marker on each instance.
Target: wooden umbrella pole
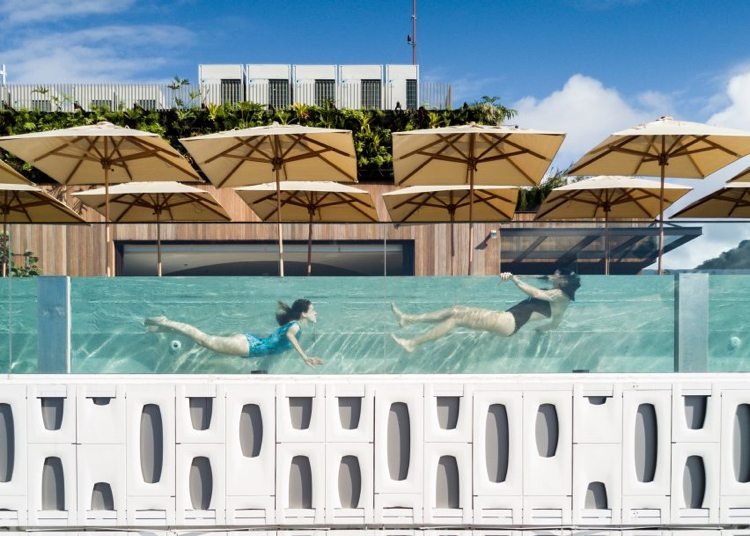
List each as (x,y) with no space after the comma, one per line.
(472,165)
(107,230)
(309,242)
(606,241)
(6,260)
(453,250)
(661,217)
(158,240)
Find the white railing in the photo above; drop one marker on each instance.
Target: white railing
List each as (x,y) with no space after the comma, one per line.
(409,452)
(72,97)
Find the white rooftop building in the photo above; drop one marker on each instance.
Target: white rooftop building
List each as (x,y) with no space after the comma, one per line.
(346,86)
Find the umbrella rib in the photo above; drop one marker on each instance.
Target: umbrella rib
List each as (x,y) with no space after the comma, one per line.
(440,139)
(603,152)
(430,157)
(153,150)
(417,205)
(562,199)
(247,157)
(738,203)
(521,148)
(326,146)
(325,159)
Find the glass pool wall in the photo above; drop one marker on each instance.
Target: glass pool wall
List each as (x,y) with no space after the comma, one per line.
(659,324)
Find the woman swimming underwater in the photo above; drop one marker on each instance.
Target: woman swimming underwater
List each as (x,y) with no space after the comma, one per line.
(542,304)
(285,337)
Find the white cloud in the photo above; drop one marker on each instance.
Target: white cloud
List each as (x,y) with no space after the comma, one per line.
(588,112)
(737,111)
(102,54)
(25,11)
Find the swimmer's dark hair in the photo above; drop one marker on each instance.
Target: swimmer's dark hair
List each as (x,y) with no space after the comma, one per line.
(286,314)
(570,282)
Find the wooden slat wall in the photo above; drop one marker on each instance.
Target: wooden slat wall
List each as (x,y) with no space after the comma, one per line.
(78,250)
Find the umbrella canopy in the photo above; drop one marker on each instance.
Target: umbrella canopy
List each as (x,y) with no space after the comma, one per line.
(155,202)
(8,175)
(473,155)
(307,201)
(731,201)
(101,154)
(665,148)
(275,153)
(25,203)
(609,198)
(450,204)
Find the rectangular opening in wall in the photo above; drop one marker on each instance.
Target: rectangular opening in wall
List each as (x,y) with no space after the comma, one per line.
(231,91)
(411,94)
(371,94)
(278,93)
(338,258)
(325,91)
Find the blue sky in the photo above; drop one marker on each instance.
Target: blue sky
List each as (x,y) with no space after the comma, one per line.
(587,67)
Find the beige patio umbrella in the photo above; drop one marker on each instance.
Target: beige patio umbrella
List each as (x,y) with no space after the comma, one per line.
(25,203)
(310,202)
(275,153)
(101,154)
(473,155)
(155,202)
(609,198)
(731,201)
(451,203)
(665,148)
(8,175)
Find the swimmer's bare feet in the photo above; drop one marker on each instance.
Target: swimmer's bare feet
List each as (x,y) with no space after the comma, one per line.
(406,344)
(154,323)
(399,315)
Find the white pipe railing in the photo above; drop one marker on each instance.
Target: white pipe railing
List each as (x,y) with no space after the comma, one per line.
(280,94)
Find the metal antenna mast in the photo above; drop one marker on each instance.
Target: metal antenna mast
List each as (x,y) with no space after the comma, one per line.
(413,37)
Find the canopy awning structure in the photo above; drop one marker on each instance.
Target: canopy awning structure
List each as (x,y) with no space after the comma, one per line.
(542,250)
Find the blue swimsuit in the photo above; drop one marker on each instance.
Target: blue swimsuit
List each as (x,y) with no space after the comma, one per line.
(275,343)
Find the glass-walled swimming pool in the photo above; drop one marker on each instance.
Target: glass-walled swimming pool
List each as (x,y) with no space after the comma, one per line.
(691,322)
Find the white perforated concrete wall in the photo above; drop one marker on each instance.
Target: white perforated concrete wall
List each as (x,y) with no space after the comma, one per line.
(406,452)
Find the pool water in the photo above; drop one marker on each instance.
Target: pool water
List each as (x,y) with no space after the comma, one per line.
(616,324)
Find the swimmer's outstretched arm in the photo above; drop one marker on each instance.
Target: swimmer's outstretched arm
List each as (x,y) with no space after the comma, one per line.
(291,334)
(532,291)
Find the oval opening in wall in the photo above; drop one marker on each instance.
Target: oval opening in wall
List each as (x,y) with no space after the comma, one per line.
(695,411)
(7,443)
(399,441)
(447,411)
(597,400)
(741,443)
(350,409)
(201,483)
(201,409)
(100,400)
(646,441)
(350,482)
(102,498)
(497,443)
(547,430)
(694,482)
(251,430)
(53,485)
(52,412)
(152,444)
(596,496)
(300,411)
(300,483)
(447,488)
